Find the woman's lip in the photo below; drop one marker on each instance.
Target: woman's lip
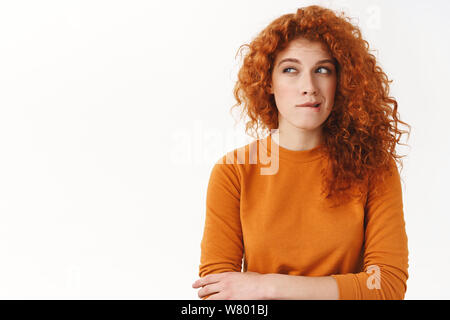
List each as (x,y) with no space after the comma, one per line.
(308,105)
(315,108)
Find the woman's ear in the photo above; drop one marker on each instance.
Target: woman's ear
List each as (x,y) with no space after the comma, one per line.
(269,88)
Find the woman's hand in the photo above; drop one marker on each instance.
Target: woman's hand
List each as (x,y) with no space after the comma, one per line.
(233,286)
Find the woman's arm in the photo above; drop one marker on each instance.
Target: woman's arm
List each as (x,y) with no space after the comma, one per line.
(271,286)
(385,269)
(289,287)
(222,244)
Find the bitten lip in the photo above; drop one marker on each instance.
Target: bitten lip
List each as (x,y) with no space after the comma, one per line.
(308,104)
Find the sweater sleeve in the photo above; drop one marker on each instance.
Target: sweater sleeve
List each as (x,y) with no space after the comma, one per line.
(386,246)
(222,243)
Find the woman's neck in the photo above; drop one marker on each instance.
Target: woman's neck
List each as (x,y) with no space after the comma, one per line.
(297,140)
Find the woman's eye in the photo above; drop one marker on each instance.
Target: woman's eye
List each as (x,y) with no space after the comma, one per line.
(324,68)
(287,69)
(328,70)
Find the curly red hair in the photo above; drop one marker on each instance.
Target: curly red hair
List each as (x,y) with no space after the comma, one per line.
(361,132)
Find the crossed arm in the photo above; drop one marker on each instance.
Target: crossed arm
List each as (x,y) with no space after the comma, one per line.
(271,286)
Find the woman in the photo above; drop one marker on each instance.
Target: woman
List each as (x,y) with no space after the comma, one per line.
(327,222)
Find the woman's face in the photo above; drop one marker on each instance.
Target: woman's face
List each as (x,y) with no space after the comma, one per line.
(303,72)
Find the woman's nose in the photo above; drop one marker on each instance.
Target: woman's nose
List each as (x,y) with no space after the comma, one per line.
(308,86)
(313,92)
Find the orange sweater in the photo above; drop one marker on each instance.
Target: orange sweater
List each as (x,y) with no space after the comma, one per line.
(277,222)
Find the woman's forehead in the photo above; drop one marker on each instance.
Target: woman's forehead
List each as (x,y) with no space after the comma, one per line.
(306,45)
(304,48)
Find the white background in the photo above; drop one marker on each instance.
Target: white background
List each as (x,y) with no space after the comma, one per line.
(112,114)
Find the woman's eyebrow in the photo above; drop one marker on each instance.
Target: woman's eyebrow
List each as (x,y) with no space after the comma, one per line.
(298,61)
